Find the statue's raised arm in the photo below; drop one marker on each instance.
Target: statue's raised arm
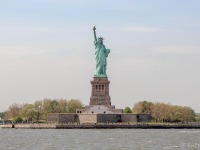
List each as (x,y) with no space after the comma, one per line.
(95,37)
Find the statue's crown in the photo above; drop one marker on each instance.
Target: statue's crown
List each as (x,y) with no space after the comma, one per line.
(100,38)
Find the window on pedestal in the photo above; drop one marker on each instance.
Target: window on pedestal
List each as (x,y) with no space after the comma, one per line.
(100,87)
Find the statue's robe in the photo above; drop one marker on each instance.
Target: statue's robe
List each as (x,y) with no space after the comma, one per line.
(101,53)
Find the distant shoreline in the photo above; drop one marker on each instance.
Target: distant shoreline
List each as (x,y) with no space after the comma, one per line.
(100,126)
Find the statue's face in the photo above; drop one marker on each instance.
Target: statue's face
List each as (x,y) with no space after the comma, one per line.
(100,41)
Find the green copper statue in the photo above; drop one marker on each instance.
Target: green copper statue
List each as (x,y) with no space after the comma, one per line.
(101,53)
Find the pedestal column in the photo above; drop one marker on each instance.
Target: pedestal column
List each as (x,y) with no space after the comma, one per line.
(100,92)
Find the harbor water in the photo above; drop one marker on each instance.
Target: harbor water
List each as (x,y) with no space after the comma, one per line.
(100,139)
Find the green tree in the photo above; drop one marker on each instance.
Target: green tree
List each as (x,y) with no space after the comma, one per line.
(46,107)
(38,109)
(17,119)
(182,114)
(188,114)
(12,111)
(127,110)
(176,113)
(54,106)
(161,112)
(197,117)
(63,103)
(74,104)
(2,115)
(28,112)
(142,107)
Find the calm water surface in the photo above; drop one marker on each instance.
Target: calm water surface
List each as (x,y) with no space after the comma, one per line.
(99,139)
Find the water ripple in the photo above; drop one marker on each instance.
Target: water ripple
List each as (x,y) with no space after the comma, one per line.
(101,139)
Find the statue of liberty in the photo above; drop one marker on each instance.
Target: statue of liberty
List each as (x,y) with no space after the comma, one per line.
(101,53)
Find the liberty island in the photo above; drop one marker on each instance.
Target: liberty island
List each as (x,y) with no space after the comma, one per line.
(99,109)
(99,113)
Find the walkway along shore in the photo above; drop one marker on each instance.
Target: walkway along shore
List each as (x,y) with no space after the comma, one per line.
(101,126)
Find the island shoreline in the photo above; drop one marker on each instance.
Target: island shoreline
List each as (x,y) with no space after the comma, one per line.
(100,126)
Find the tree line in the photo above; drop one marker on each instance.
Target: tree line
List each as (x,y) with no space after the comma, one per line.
(38,111)
(162,112)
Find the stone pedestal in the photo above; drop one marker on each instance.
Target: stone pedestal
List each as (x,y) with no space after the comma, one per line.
(100,92)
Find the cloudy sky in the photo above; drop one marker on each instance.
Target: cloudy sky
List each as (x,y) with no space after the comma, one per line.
(47,51)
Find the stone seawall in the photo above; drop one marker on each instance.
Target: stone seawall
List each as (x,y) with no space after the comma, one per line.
(100,126)
(35,126)
(7,126)
(28,126)
(65,118)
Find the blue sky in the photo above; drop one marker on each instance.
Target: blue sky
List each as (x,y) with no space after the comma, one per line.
(47,51)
